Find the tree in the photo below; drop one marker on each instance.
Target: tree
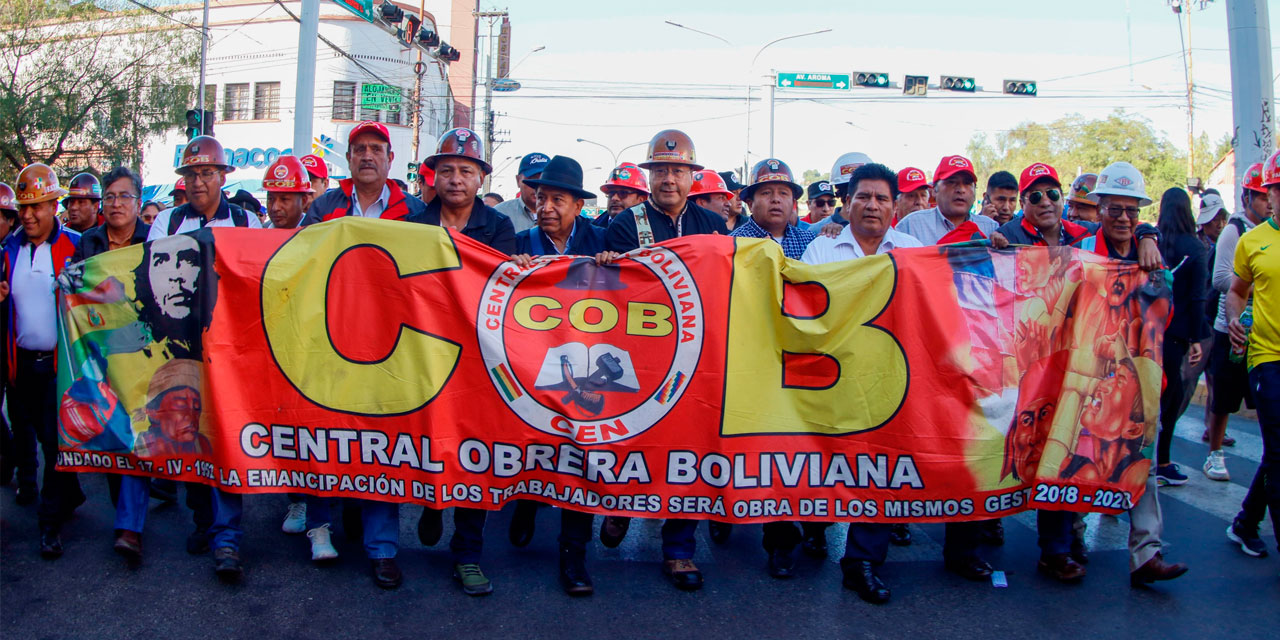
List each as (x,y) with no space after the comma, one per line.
(1074,145)
(811,176)
(81,86)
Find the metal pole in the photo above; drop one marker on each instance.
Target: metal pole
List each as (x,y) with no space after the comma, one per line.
(1191,105)
(773,83)
(305,95)
(204,53)
(417,82)
(1252,88)
(746,156)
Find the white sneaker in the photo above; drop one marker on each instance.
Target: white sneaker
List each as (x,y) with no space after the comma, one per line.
(321,548)
(295,520)
(1215,466)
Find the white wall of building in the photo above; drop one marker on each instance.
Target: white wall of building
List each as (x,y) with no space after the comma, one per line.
(255,42)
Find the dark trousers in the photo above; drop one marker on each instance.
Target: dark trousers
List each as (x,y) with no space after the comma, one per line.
(467,543)
(35,402)
(199,498)
(678,542)
(575,532)
(781,536)
(1055,531)
(1264,492)
(1175,351)
(869,542)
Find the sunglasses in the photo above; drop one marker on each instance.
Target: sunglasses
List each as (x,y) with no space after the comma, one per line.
(1035,197)
(1117,212)
(825,202)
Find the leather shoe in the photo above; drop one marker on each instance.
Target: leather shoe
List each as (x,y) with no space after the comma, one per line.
(386,573)
(27,494)
(226,564)
(972,567)
(992,533)
(430,526)
(50,544)
(129,545)
(1061,566)
(782,563)
(1156,569)
(900,535)
(198,542)
(861,577)
(683,574)
(520,533)
(574,578)
(613,530)
(720,531)
(1078,552)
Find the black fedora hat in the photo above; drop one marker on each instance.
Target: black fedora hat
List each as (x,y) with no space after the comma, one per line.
(562,172)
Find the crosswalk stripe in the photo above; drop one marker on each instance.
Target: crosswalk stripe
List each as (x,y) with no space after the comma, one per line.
(1248,446)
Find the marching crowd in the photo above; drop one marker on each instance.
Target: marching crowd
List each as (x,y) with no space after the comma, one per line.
(1225,322)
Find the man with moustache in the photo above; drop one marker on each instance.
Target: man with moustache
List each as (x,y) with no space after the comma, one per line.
(204,167)
(522,210)
(369,192)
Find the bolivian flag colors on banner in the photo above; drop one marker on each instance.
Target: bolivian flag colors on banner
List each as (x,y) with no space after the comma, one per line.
(705,377)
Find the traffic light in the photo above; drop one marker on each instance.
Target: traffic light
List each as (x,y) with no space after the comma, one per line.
(392,13)
(409,31)
(957,83)
(428,37)
(873,79)
(199,123)
(448,53)
(1020,87)
(915,85)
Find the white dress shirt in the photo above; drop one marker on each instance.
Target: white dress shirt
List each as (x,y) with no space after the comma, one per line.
(845,247)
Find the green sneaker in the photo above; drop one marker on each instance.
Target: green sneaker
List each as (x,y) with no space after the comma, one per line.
(472,578)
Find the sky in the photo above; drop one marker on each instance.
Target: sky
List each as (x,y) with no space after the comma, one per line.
(615,74)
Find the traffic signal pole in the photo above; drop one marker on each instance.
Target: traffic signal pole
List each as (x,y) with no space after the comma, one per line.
(305,93)
(204,51)
(1252,88)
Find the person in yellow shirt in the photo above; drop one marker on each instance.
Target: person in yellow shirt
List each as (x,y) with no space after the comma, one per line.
(1257,270)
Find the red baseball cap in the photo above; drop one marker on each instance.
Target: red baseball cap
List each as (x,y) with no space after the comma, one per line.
(910,179)
(315,166)
(951,165)
(376,128)
(428,175)
(1037,171)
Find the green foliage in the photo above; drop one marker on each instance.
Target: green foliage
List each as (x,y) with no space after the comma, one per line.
(1074,145)
(81,87)
(811,176)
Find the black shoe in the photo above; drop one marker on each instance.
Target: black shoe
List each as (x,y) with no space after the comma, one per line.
(520,533)
(720,531)
(684,574)
(861,577)
(900,535)
(814,544)
(352,525)
(992,533)
(164,490)
(613,530)
(28,494)
(430,527)
(226,563)
(50,544)
(574,578)
(782,563)
(386,573)
(198,542)
(972,567)
(1078,552)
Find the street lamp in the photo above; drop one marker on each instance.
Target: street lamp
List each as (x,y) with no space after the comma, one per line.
(611,152)
(746,166)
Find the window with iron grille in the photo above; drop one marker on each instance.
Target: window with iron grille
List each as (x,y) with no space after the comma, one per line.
(235,105)
(344,100)
(266,101)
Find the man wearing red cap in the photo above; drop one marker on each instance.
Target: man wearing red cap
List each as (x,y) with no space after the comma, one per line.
(426,184)
(369,192)
(913,193)
(1041,198)
(318,172)
(626,188)
(953,184)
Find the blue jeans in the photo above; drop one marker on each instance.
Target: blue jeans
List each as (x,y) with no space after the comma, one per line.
(317,511)
(1055,531)
(227,511)
(381,522)
(678,542)
(131,506)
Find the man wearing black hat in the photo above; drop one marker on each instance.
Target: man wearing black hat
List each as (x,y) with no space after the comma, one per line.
(561,231)
(246,201)
(523,210)
(735,210)
(821,201)
(460,169)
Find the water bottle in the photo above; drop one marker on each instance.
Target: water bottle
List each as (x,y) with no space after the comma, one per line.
(1246,320)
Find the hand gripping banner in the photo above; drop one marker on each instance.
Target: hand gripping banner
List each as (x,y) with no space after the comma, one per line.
(705,377)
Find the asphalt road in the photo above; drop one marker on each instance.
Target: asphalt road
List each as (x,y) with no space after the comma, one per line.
(90,593)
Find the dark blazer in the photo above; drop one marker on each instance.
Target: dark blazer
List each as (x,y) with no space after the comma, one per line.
(485,225)
(587,240)
(94,241)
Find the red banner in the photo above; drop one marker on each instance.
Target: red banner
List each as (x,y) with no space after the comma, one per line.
(705,377)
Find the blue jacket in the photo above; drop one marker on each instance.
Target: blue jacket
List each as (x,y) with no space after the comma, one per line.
(587,239)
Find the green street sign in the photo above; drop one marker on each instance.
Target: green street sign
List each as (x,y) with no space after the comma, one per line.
(362,8)
(832,81)
(380,96)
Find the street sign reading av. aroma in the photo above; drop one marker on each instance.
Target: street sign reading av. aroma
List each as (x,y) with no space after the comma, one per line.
(795,80)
